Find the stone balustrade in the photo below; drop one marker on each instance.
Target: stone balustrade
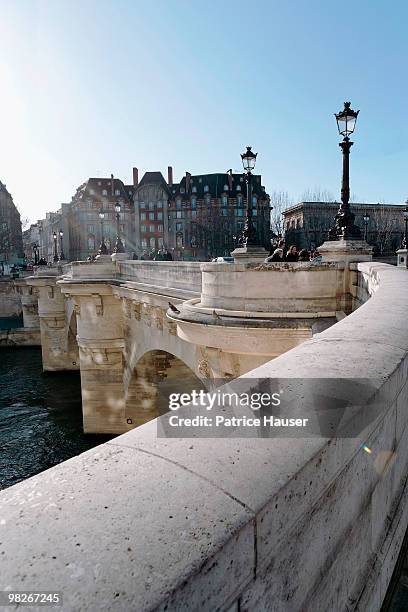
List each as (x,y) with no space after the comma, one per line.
(282,525)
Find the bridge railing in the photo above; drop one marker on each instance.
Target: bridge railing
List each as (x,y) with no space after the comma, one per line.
(150,523)
(172,274)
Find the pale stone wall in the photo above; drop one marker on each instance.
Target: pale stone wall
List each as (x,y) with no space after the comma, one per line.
(10,300)
(20,337)
(146,523)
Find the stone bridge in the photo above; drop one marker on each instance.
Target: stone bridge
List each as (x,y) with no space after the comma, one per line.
(145,522)
(112,321)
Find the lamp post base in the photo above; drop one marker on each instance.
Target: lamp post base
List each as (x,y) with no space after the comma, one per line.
(247,254)
(346,250)
(402,257)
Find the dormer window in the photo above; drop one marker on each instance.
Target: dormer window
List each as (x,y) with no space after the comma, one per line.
(117,191)
(104,192)
(206,188)
(238,188)
(99,183)
(194,190)
(225,187)
(91,192)
(182,190)
(200,180)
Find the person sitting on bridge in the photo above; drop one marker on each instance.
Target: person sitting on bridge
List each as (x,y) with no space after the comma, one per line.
(277,255)
(304,255)
(292,254)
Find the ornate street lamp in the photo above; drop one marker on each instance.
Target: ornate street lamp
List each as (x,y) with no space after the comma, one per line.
(62,256)
(249,235)
(404,244)
(344,227)
(119,248)
(366,219)
(55,247)
(103,250)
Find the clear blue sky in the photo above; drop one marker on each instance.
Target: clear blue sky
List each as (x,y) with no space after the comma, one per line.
(94,87)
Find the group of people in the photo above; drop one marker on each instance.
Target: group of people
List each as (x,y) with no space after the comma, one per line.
(278,253)
(160,255)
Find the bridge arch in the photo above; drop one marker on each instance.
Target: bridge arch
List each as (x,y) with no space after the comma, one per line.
(156,374)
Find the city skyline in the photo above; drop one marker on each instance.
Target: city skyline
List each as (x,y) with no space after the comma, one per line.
(167,84)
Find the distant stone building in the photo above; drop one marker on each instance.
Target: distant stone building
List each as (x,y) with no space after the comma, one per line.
(307,224)
(11,237)
(31,239)
(207,214)
(151,197)
(83,223)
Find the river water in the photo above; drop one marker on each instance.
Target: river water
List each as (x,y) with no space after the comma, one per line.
(40,416)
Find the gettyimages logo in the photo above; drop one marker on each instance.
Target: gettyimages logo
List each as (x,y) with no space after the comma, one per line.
(295,408)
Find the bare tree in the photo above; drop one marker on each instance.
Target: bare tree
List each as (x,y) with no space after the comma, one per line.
(280,201)
(317,194)
(383,226)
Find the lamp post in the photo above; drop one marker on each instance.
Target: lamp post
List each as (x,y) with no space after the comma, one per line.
(249,235)
(55,247)
(344,227)
(119,248)
(102,248)
(62,256)
(404,244)
(366,219)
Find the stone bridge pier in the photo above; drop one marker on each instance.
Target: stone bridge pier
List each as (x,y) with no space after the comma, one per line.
(29,303)
(100,342)
(57,326)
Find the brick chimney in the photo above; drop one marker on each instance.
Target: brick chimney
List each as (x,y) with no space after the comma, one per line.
(112,190)
(135,177)
(170,176)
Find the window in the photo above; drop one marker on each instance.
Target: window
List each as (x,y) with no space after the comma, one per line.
(238,187)
(152,229)
(91,229)
(224,200)
(91,243)
(151,205)
(151,216)
(117,191)
(179,241)
(182,190)
(160,227)
(178,203)
(206,188)
(92,192)
(225,188)
(179,227)
(208,199)
(254,200)
(159,204)
(143,216)
(104,192)
(160,216)
(144,243)
(224,212)
(254,212)
(153,243)
(160,242)
(194,190)
(99,183)
(193,202)
(143,229)
(240,200)
(179,214)
(240,212)
(141,204)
